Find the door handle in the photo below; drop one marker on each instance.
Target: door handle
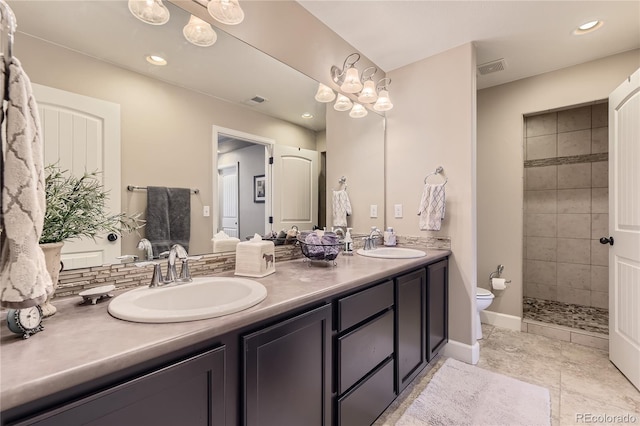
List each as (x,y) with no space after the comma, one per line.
(605,240)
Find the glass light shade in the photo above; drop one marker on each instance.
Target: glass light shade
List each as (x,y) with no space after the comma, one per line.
(343,103)
(358,111)
(383,103)
(150,11)
(351,82)
(324,93)
(199,32)
(368,94)
(226,11)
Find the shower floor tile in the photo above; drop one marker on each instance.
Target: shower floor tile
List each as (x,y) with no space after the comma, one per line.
(586,318)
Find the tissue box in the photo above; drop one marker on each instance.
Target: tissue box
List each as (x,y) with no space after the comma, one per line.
(255,258)
(225,244)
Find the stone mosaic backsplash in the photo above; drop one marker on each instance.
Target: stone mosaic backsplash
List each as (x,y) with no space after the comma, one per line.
(129,275)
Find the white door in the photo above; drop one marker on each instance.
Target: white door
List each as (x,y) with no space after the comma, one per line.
(83,134)
(624,226)
(295,174)
(228,199)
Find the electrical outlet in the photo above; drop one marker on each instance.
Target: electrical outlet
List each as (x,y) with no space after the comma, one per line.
(397,211)
(205,211)
(373,211)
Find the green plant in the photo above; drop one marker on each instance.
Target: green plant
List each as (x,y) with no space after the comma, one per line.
(76,208)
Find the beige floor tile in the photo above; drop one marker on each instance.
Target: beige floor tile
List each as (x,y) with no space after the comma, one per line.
(578,409)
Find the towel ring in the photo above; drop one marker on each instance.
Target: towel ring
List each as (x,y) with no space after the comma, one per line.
(438,171)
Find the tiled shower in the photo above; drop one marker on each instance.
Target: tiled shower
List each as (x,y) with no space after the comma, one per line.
(565,214)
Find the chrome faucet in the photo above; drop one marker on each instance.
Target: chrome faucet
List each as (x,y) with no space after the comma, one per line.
(172,276)
(145,245)
(370,241)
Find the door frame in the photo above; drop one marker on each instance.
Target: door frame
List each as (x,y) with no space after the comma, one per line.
(268,143)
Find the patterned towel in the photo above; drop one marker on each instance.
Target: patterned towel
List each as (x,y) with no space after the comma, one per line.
(431,210)
(24,280)
(341,207)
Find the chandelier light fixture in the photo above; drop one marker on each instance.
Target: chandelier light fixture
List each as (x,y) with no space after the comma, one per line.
(150,11)
(363,86)
(199,32)
(226,11)
(324,94)
(342,103)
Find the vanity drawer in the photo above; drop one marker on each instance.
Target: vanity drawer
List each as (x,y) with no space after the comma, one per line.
(360,306)
(364,404)
(361,350)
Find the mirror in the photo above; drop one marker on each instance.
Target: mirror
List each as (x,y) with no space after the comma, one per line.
(167,113)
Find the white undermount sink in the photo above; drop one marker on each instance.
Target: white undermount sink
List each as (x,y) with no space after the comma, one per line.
(205,297)
(392,253)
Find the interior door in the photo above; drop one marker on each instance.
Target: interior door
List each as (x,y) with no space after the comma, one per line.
(295,174)
(83,134)
(624,227)
(228,200)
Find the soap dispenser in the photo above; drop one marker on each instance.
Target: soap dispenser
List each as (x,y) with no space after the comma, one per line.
(348,243)
(389,237)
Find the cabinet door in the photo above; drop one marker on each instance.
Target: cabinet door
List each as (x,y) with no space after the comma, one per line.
(410,322)
(287,372)
(438,302)
(190,392)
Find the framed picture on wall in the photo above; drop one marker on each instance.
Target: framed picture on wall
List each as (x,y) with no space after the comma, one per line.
(259,189)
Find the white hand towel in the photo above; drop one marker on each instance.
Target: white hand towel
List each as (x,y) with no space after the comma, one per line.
(341,207)
(24,280)
(432,207)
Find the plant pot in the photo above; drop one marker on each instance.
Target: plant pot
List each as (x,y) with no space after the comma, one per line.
(54,266)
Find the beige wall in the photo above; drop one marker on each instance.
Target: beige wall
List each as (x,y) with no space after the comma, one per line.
(433,124)
(355,150)
(500,158)
(166,130)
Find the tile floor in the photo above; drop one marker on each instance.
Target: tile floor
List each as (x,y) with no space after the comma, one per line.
(580,379)
(586,318)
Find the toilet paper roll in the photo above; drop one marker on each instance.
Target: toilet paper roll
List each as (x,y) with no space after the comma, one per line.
(498,283)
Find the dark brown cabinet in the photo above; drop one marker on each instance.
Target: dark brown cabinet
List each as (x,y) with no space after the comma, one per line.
(365,348)
(287,372)
(438,302)
(411,326)
(189,392)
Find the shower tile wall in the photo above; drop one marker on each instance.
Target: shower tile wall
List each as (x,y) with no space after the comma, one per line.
(566,206)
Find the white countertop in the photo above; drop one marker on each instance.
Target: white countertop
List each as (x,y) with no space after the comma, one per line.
(83,342)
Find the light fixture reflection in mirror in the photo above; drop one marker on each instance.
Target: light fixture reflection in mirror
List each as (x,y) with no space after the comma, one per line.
(226,11)
(342,103)
(358,111)
(150,11)
(324,94)
(199,32)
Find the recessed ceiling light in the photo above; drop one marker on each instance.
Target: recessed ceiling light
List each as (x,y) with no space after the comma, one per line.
(307,115)
(588,27)
(156,60)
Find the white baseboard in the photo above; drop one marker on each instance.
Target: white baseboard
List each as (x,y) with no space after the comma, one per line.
(501,320)
(462,352)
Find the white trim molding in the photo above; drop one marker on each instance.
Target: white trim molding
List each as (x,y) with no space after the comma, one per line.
(501,320)
(463,352)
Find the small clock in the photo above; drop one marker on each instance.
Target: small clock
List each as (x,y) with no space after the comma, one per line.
(26,321)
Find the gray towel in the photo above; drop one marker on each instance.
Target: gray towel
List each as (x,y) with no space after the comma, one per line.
(168,217)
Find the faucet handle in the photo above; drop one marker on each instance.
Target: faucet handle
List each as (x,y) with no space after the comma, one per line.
(156,278)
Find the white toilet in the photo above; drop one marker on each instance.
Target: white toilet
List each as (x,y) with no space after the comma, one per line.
(483,301)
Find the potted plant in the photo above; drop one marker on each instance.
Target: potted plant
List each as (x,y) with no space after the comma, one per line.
(75,208)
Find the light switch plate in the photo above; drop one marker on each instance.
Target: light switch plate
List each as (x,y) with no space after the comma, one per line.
(373,213)
(397,211)
(205,211)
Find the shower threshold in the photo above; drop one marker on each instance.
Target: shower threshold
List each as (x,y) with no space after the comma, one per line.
(594,320)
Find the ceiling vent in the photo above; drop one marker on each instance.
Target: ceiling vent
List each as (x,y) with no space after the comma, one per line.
(493,66)
(256,100)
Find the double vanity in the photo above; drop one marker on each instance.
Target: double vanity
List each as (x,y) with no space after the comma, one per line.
(326,346)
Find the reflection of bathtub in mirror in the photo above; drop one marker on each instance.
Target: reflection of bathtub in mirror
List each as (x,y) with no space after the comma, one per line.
(164,127)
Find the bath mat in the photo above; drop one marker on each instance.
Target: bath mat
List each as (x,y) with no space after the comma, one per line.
(462,394)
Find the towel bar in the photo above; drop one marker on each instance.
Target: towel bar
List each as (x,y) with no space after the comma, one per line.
(144,188)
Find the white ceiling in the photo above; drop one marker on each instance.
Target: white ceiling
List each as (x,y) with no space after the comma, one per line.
(532,37)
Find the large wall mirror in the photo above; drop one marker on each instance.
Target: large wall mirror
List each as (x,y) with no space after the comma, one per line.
(168,114)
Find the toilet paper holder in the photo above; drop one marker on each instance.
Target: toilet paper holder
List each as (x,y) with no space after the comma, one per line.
(497,273)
